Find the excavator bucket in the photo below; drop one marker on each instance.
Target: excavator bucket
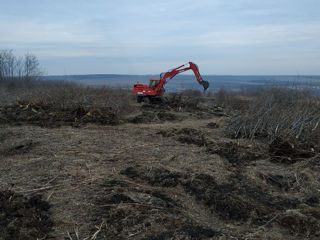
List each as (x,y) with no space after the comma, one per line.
(205,84)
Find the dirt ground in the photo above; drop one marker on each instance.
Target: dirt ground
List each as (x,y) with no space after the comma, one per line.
(163,172)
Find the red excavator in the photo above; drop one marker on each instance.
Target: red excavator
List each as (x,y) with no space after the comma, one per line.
(155,90)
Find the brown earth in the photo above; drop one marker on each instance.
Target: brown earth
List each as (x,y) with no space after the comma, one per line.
(23,218)
(164,172)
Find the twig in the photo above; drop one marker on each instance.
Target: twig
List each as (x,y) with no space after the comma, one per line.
(77,234)
(69,235)
(50,181)
(297,180)
(132,203)
(94,236)
(270,221)
(89,169)
(133,234)
(36,190)
(50,195)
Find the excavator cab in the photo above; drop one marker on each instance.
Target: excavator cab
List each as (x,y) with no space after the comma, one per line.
(154,83)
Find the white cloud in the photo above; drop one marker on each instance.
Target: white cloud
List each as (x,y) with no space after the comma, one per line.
(35,32)
(150,32)
(264,34)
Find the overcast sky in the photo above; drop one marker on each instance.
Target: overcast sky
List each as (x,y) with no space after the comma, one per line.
(145,36)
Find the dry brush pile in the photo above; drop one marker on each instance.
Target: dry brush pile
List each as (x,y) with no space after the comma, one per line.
(289,119)
(59,103)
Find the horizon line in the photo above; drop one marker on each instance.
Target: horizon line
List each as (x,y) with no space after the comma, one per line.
(128,74)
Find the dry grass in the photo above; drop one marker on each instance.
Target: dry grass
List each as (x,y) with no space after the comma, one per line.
(278,113)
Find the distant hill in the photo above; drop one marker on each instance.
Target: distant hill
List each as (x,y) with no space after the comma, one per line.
(181,82)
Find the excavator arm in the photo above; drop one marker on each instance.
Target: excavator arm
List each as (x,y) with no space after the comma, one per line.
(173,72)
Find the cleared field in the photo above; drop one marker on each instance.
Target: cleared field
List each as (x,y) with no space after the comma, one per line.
(158,172)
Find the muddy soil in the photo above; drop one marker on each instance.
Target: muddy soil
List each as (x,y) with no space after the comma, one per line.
(23,217)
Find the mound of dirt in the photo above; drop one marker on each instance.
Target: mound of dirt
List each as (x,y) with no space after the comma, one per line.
(220,199)
(157,106)
(124,210)
(283,151)
(51,116)
(23,218)
(154,176)
(212,125)
(301,221)
(232,151)
(283,182)
(238,200)
(185,103)
(186,135)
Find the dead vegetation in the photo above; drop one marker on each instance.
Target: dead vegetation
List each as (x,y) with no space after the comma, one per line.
(287,119)
(234,152)
(279,113)
(128,210)
(56,104)
(24,218)
(198,167)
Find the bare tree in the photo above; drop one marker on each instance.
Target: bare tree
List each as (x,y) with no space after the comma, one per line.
(7,61)
(18,68)
(1,66)
(31,67)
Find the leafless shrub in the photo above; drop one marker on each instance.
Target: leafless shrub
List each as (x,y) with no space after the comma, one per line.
(191,93)
(279,113)
(65,95)
(231,100)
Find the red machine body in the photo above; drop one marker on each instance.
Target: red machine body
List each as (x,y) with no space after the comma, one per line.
(156,86)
